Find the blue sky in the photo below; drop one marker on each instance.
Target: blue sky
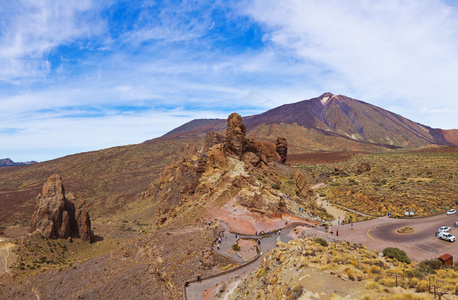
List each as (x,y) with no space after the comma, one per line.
(85,75)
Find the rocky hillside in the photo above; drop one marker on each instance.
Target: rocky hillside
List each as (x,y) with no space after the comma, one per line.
(108,180)
(337,117)
(230,178)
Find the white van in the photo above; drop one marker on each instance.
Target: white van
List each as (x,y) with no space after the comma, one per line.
(446,236)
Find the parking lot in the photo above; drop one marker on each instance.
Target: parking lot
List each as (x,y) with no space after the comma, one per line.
(421,244)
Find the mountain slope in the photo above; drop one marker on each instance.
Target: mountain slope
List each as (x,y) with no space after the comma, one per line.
(107,180)
(338,116)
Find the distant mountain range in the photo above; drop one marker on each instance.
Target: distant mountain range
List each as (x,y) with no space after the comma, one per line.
(6,162)
(331,116)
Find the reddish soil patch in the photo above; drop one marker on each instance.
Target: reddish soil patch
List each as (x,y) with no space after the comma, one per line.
(247,249)
(321,157)
(241,220)
(445,149)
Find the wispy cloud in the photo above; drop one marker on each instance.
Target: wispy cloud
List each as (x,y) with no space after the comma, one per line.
(30,30)
(381,51)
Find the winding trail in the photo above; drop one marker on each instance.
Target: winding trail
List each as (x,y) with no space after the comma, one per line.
(194,290)
(4,255)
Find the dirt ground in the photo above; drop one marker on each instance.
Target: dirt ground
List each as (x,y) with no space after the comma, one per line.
(241,220)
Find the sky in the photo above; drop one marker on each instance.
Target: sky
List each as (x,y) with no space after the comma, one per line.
(85,75)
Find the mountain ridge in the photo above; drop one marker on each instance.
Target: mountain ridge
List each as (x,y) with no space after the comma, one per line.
(7,162)
(337,115)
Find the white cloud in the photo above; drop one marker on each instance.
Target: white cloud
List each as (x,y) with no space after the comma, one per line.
(31,29)
(380,51)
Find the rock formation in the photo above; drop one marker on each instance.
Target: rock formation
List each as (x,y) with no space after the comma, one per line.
(236,140)
(362,168)
(56,216)
(282,148)
(340,171)
(302,187)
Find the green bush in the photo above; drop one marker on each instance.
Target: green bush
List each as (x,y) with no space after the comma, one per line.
(429,266)
(414,273)
(396,253)
(236,247)
(276,186)
(321,241)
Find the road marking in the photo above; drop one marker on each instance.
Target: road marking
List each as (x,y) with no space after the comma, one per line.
(368,235)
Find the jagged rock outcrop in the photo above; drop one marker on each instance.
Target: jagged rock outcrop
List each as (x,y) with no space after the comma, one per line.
(236,140)
(54,215)
(302,187)
(211,139)
(363,168)
(180,179)
(282,148)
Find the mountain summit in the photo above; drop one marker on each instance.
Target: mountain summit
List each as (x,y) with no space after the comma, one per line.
(335,116)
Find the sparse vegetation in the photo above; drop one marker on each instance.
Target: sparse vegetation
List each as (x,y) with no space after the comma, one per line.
(424,183)
(396,253)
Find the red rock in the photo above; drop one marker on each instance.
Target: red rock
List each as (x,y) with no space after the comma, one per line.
(236,140)
(362,168)
(54,215)
(282,149)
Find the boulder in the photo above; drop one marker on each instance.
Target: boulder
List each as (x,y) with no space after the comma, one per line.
(363,168)
(54,215)
(340,171)
(282,149)
(302,187)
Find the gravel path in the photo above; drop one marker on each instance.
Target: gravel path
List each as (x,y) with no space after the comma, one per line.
(194,290)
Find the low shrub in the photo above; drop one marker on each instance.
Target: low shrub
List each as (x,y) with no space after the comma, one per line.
(396,253)
(429,266)
(414,274)
(236,247)
(422,286)
(276,186)
(373,286)
(321,241)
(388,281)
(375,269)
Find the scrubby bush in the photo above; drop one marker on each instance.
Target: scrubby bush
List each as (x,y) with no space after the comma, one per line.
(414,273)
(236,247)
(422,286)
(388,281)
(396,253)
(375,269)
(321,241)
(337,259)
(429,266)
(373,286)
(276,186)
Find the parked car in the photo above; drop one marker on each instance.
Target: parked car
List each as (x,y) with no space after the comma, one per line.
(444,229)
(447,236)
(451,212)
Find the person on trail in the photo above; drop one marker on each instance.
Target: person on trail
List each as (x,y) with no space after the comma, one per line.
(351,226)
(259,241)
(337,232)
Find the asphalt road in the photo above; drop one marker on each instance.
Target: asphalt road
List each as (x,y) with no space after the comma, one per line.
(422,244)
